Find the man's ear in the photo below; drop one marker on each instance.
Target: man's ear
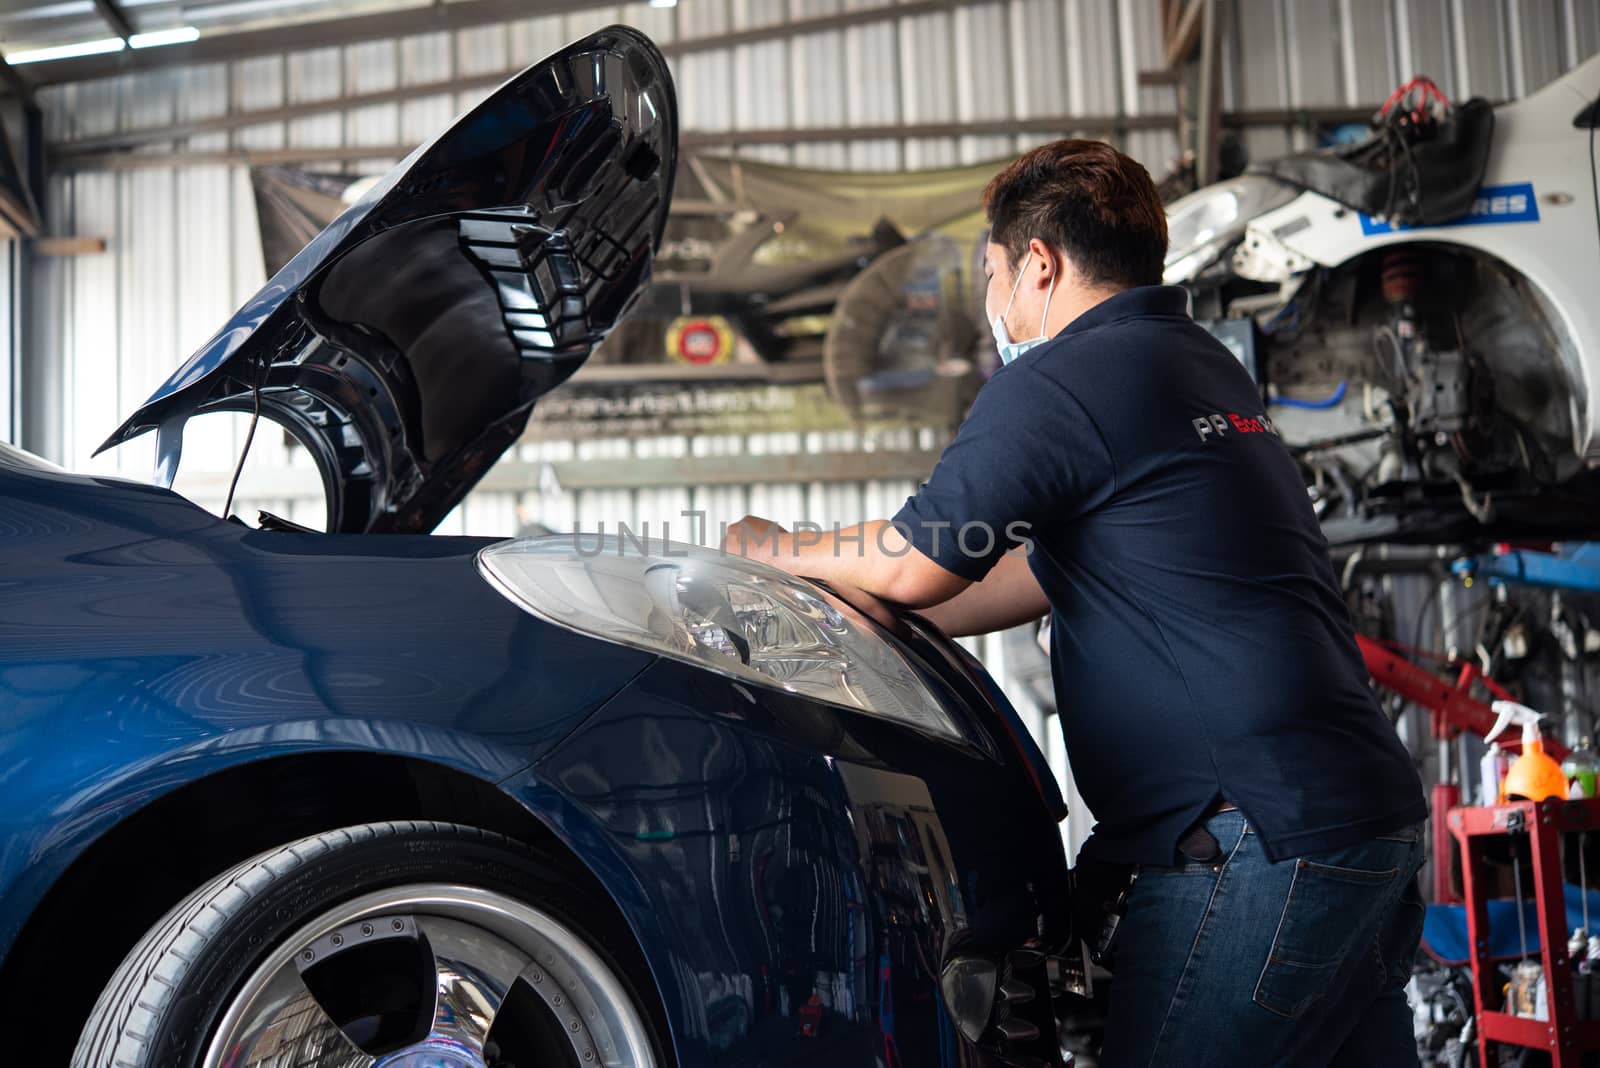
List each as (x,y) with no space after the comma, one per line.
(1044,265)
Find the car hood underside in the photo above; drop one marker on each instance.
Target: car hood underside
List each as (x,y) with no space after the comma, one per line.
(405,346)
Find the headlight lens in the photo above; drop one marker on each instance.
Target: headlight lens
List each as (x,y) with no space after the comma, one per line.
(724,613)
(1203,224)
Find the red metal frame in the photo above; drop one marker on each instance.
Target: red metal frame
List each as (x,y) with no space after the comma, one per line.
(1446,796)
(1453,709)
(1563,1035)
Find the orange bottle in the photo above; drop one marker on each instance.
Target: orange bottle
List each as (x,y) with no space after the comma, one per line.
(1534,775)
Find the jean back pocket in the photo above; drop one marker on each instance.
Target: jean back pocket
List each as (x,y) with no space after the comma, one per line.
(1330,911)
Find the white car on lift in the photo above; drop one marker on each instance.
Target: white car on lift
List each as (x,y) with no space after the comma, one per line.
(1438,380)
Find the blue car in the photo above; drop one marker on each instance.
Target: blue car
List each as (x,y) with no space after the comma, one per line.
(369,797)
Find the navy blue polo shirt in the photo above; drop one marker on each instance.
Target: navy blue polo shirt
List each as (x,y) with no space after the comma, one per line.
(1200,646)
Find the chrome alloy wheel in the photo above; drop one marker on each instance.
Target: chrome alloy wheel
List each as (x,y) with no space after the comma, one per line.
(428,976)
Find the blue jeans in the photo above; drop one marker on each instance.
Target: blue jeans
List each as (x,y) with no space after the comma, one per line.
(1243,962)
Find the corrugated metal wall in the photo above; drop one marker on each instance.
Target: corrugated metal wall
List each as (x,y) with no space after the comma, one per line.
(183,251)
(183,248)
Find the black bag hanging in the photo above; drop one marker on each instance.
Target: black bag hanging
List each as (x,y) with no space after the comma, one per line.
(1421,166)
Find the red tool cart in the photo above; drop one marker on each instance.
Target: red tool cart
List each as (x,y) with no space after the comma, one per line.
(1563,1034)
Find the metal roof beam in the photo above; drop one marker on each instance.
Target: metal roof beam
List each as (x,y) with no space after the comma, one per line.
(15,84)
(113,17)
(242,119)
(429,18)
(1083,125)
(238,120)
(315,33)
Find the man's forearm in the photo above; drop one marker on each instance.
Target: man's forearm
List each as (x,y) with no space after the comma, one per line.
(873,557)
(1007,597)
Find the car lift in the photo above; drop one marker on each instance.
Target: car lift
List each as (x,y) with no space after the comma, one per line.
(1471,828)
(1453,709)
(1574,566)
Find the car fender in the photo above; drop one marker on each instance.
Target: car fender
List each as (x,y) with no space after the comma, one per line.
(62,801)
(1536,214)
(771,853)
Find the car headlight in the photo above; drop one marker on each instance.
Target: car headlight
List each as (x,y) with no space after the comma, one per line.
(727,614)
(1202,225)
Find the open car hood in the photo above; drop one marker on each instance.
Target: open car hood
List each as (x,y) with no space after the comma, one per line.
(406,344)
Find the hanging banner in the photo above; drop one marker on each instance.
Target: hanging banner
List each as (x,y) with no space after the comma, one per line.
(839,298)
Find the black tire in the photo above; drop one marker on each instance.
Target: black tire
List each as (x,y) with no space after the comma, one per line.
(168,996)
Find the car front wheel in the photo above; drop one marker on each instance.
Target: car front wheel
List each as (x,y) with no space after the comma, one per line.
(386,945)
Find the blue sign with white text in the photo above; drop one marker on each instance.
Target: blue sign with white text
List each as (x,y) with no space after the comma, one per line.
(1512,203)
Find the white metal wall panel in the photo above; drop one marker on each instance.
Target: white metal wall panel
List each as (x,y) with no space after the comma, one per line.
(206,294)
(983,41)
(482,50)
(1259,31)
(47,326)
(872,95)
(249,271)
(1033,63)
(816,79)
(753,14)
(202,93)
(90,358)
(586,22)
(117,319)
(1534,44)
(1425,41)
(1142,48)
(427,57)
(660,23)
(257,85)
(705,79)
(149,99)
(93,108)
(1094,70)
(1581,23)
(146,257)
(1313,51)
(309,77)
(762,72)
(1482,67)
(1366,42)
(927,92)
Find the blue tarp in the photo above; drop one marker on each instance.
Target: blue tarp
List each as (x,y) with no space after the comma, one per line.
(1444,930)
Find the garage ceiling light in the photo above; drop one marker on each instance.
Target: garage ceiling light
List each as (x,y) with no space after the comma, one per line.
(180,35)
(71,51)
(663,3)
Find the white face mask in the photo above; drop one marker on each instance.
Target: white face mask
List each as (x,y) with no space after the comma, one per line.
(1010,350)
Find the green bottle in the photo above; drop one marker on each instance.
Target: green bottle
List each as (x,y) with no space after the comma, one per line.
(1582,769)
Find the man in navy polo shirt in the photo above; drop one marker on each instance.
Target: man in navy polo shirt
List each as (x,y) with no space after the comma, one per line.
(1121,473)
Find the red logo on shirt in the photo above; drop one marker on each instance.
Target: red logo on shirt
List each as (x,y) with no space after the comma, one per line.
(1218,425)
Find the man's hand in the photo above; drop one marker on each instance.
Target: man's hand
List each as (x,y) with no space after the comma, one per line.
(754,537)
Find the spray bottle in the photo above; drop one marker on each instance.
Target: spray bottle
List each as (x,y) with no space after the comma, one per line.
(1582,769)
(1534,775)
(1492,772)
